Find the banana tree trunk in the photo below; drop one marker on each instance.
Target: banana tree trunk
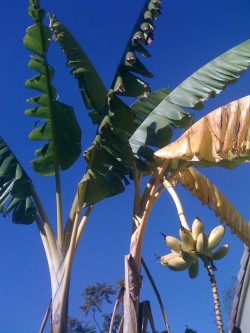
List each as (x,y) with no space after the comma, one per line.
(131,296)
(132,273)
(60,263)
(59,305)
(142,208)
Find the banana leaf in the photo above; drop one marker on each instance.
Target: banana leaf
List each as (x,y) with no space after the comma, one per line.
(221,138)
(192,93)
(210,195)
(68,136)
(110,158)
(58,125)
(96,186)
(15,188)
(90,84)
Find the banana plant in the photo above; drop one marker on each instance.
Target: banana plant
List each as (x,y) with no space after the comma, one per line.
(122,150)
(156,132)
(108,163)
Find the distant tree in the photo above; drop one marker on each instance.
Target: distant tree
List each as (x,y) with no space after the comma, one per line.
(76,326)
(96,297)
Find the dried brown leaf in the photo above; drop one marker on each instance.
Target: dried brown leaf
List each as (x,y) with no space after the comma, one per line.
(222,135)
(210,195)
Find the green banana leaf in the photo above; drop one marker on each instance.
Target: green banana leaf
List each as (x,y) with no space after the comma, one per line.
(96,186)
(90,84)
(192,93)
(58,125)
(15,188)
(110,158)
(111,150)
(125,83)
(176,118)
(67,132)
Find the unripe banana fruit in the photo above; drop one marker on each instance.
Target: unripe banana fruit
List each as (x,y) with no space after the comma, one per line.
(175,244)
(164,260)
(193,270)
(220,252)
(202,244)
(197,228)
(177,264)
(215,236)
(192,245)
(187,238)
(189,256)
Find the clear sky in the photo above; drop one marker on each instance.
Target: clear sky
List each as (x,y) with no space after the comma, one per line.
(188,35)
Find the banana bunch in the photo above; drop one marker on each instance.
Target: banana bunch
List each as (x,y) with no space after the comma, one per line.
(192,245)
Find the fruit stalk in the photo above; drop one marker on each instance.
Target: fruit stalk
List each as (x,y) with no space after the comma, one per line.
(218,315)
(177,202)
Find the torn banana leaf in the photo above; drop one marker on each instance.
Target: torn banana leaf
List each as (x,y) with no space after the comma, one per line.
(221,138)
(58,127)
(130,85)
(95,186)
(92,88)
(124,83)
(110,159)
(15,188)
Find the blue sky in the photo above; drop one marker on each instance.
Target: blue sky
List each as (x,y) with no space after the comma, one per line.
(188,35)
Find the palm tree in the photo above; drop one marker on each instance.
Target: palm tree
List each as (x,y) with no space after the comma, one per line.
(122,151)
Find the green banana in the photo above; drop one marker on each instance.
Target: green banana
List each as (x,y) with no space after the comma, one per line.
(193,270)
(202,244)
(221,252)
(189,256)
(175,244)
(187,238)
(197,228)
(215,236)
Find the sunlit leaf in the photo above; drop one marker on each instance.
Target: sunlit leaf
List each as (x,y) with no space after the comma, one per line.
(205,83)
(220,138)
(37,39)
(211,196)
